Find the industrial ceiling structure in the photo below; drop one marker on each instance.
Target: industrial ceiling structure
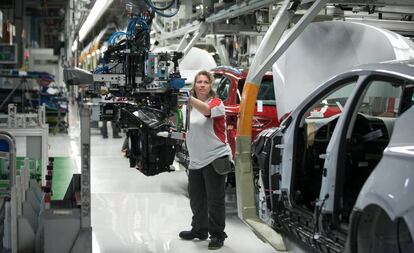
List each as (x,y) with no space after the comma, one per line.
(229,26)
(232,27)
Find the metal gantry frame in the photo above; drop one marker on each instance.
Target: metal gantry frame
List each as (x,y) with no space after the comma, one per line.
(184,46)
(194,29)
(232,12)
(197,29)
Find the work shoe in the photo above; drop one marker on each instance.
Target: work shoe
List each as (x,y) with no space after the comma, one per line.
(216,242)
(190,235)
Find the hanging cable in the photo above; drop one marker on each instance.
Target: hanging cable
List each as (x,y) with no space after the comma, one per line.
(165,7)
(115,35)
(159,10)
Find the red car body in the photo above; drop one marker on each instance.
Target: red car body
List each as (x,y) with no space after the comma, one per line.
(229,84)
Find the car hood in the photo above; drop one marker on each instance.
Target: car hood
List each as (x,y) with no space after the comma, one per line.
(325,49)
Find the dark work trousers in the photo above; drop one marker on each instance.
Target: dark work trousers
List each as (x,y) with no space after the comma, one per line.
(207,200)
(115,129)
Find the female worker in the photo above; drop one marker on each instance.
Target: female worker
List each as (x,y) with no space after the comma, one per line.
(207,145)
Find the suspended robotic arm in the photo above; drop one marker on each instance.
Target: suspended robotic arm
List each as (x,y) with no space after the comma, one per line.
(145,89)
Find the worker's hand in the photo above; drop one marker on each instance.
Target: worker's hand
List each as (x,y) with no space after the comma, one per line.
(184,97)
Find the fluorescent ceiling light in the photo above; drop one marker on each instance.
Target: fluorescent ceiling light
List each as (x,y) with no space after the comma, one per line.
(98,9)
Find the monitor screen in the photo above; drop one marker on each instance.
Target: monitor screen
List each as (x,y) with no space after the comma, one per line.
(8,54)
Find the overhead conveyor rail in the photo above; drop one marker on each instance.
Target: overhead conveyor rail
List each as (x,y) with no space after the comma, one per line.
(232,12)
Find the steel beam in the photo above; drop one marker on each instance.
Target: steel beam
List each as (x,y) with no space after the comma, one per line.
(236,28)
(158,26)
(201,31)
(222,52)
(239,9)
(272,37)
(290,37)
(181,31)
(374,2)
(183,42)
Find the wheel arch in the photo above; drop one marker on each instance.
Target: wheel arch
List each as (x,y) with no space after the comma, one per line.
(374,229)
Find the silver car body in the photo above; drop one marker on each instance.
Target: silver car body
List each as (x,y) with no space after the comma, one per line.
(390,186)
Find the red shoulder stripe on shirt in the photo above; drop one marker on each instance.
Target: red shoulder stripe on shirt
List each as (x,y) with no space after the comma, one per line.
(214,102)
(219,125)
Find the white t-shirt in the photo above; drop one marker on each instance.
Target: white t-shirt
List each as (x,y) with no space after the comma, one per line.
(206,139)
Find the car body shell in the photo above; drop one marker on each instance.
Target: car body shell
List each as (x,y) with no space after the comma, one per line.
(390,184)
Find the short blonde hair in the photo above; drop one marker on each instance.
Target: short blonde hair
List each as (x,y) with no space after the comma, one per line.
(210,78)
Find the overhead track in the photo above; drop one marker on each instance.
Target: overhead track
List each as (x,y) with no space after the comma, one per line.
(232,12)
(195,26)
(239,9)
